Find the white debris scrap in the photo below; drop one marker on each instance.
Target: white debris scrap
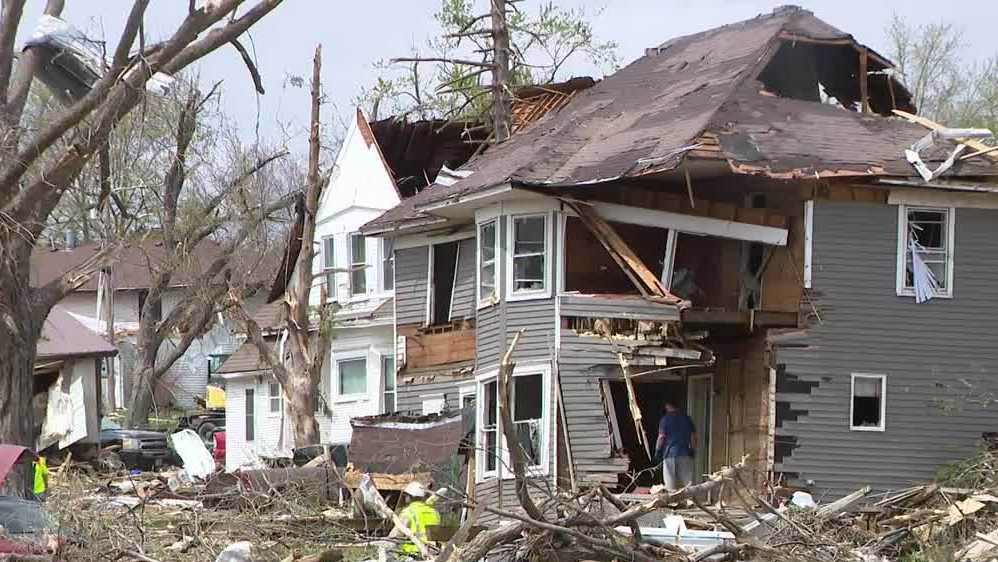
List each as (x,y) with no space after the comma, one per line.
(198,462)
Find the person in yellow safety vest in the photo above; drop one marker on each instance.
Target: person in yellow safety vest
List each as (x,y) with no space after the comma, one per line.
(417,515)
(41,476)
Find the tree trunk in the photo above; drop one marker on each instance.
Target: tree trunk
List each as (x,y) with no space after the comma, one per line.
(19,332)
(302,398)
(140,400)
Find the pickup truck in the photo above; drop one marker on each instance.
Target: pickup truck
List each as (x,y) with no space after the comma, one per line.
(139,448)
(204,423)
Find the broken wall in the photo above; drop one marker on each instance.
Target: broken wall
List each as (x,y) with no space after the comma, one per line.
(939,357)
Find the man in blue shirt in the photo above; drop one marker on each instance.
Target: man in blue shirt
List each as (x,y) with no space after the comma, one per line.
(676,435)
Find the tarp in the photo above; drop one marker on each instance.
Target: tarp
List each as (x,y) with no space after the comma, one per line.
(10,455)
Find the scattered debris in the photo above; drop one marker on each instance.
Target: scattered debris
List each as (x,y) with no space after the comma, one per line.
(198,462)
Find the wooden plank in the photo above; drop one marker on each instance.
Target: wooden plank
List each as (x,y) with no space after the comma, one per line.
(646,281)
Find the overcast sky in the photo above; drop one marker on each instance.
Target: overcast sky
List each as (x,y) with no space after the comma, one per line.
(357,33)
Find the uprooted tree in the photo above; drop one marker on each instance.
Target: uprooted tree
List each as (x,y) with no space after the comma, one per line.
(308,329)
(39,161)
(206,245)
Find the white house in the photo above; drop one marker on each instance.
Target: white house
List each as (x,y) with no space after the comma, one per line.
(130,280)
(359,373)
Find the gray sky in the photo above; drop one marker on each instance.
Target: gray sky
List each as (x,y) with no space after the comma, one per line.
(356,33)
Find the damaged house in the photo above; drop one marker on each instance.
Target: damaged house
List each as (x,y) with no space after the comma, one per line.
(730,223)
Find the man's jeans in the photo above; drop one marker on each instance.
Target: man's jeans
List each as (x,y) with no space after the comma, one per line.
(677,472)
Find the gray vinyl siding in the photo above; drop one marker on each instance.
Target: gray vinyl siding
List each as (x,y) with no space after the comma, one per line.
(940,357)
(487,336)
(410,396)
(582,362)
(463,305)
(631,309)
(411,284)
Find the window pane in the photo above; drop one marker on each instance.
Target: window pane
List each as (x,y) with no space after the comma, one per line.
(491,451)
(358,249)
(528,273)
(487,241)
(328,252)
(928,228)
(330,286)
(275,397)
(488,281)
(528,235)
(388,371)
(867,387)
(250,411)
(490,403)
(388,265)
(528,394)
(867,401)
(358,281)
(353,376)
(528,438)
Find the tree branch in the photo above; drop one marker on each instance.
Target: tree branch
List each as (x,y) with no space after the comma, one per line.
(10,19)
(250,65)
(444,60)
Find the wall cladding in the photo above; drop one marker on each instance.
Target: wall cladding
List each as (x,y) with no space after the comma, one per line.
(940,357)
(410,284)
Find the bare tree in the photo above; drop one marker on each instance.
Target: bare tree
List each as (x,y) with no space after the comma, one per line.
(481,57)
(946,88)
(37,169)
(188,229)
(309,332)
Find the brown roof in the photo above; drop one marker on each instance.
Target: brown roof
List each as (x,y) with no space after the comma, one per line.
(246,359)
(63,336)
(644,118)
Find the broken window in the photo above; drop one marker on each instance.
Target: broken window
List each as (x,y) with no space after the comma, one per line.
(528,416)
(487,271)
(388,384)
(352,377)
(387,264)
(358,264)
(868,402)
(529,241)
(274,398)
(250,417)
(488,429)
(926,247)
(328,263)
(444,273)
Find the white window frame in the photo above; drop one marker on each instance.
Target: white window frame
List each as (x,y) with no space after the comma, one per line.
(541,469)
(382,359)
(902,249)
(883,401)
(523,294)
(351,356)
(249,417)
(328,269)
(271,397)
(353,263)
(387,256)
(464,392)
(482,303)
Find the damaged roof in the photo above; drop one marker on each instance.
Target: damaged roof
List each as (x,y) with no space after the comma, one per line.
(643,119)
(396,444)
(63,337)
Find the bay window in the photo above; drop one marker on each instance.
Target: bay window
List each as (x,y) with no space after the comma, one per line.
(358,264)
(528,256)
(528,393)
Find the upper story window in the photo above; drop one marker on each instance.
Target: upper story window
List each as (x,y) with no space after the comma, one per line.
(387,264)
(528,271)
(925,252)
(358,264)
(488,273)
(328,265)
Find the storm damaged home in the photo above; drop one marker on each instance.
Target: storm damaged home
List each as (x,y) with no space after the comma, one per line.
(730,222)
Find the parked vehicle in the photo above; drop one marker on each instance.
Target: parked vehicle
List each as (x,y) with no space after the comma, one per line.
(204,423)
(26,528)
(218,451)
(139,448)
